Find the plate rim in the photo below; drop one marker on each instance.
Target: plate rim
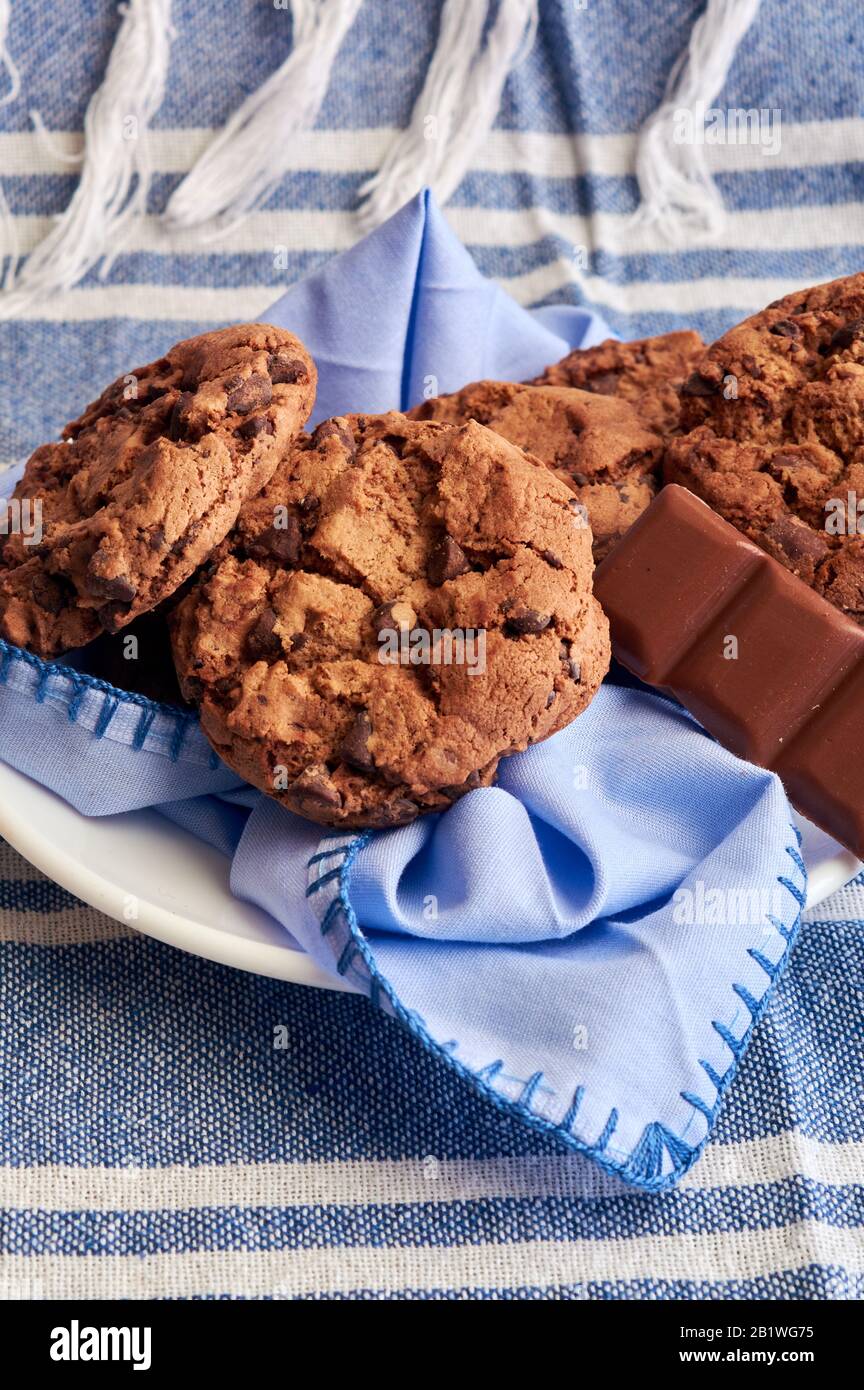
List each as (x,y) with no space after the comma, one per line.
(275,961)
(270,959)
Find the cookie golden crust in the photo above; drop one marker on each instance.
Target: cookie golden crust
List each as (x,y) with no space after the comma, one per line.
(647,373)
(404,604)
(776,441)
(148,480)
(597,445)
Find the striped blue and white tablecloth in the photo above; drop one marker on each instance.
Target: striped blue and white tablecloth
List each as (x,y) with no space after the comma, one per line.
(153,1140)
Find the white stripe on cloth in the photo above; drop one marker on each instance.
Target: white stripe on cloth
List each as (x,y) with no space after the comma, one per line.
(359,1183)
(805,144)
(298,1272)
(308,229)
(171,303)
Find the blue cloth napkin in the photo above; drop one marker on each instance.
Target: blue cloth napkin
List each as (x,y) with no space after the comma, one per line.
(589,942)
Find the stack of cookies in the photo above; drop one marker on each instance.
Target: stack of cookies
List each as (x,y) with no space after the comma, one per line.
(369,617)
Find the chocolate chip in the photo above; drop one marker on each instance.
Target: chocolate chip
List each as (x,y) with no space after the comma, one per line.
(575,670)
(603,384)
(157,538)
(797,542)
(279,543)
(151,391)
(285,371)
(181,414)
(48,594)
(193,530)
(314,791)
(298,641)
(334,429)
(844,337)
(785,328)
(551,559)
(398,812)
(262,642)
(255,425)
(526,622)
(354,748)
(309,503)
(121,589)
(782,460)
(394,442)
(393,617)
(112,616)
(447,561)
(699,385)
(551,698)
(751,366)
(193,688)
(256,391)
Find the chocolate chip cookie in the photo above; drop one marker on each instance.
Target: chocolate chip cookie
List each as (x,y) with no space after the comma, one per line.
(147,481)
(647,373)
(404,604)
(775,410)
(597,445)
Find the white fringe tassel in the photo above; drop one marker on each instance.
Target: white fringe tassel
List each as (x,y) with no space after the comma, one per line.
(9,248)
(116,171)
(457,106)
(679,196)
(252,152)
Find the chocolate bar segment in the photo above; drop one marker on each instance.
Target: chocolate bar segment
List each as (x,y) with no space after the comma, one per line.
(822,769)
(766,665)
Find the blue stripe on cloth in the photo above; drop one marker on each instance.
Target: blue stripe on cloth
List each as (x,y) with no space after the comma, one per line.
(658,269)
(62,51)
(492,1221)
(34,895)
(757,190)
(260,267)
(744,190)
(356,1099)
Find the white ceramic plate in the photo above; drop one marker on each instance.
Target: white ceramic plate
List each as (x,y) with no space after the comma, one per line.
(179,885)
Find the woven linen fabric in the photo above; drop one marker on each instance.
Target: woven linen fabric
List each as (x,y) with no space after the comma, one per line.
(184,1154)
(173,1128)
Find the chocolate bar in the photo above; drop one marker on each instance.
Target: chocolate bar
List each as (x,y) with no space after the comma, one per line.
(769,668)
